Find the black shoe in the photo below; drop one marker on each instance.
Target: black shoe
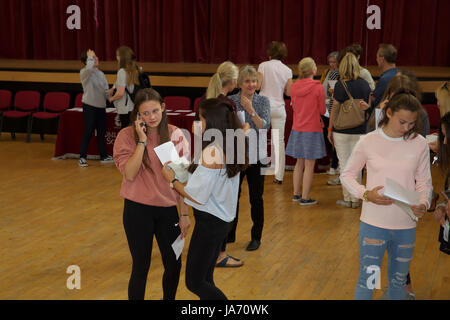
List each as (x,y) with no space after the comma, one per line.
(277,181)
(253,245)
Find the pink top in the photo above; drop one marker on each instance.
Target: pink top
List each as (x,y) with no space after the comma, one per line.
(148,187)
(406,162)
(308,103)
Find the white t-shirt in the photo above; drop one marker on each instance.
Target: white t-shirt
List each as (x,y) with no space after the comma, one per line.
(275,76)
(124,104)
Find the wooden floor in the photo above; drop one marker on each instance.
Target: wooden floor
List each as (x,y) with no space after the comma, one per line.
(55,214)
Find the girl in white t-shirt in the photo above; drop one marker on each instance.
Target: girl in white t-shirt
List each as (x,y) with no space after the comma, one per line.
(127,78)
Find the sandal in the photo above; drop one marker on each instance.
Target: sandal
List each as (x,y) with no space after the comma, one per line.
(224,263)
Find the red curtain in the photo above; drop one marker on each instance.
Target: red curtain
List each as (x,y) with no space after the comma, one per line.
(207,31)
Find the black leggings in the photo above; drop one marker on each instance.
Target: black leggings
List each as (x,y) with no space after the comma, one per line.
(141,222)
(94,118)
(206,241)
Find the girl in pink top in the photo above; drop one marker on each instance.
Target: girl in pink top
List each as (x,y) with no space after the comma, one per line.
(150,203)
(306,142)
(398,152)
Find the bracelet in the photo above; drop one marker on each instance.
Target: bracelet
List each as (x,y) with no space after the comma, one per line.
(365,195)
(185,215)
(330,129)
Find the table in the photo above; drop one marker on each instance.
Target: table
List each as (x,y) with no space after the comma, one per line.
(71,127)
(70,133)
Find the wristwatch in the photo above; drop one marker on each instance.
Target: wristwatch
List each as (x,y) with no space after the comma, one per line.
(144,143)
(253,114)
(172,182)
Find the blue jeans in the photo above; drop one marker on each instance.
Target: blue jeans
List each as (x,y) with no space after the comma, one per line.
(373,242)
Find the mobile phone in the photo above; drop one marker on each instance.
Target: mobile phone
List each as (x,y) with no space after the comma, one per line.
(142,124)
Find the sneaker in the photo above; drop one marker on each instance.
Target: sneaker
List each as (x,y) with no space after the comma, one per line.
(296,198)
(308,202)
(108,159)
(82,162)
(347,204)
(355,205)
(333,171)
(410,296)
(334,182)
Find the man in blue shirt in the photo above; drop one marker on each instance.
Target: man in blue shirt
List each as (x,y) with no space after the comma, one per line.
(386,59)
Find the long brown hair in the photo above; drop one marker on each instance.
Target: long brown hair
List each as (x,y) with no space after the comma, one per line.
(144,95)
(403,99)
(219,115)
(127,61)
(444,149)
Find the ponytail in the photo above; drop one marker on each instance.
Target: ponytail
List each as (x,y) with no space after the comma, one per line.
(214,87)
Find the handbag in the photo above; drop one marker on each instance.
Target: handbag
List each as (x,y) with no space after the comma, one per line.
(348,114)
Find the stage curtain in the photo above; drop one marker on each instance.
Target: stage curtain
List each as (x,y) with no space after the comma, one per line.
(212,31)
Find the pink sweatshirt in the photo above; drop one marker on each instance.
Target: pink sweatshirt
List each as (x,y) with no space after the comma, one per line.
(147,187)
(406,162)
(308,103)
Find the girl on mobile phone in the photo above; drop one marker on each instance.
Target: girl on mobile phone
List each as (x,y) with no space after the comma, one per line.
(150,204)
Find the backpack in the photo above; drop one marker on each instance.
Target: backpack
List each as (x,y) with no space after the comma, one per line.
(144,82)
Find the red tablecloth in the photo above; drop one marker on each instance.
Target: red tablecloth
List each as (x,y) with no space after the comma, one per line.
(71,128)
(70,132)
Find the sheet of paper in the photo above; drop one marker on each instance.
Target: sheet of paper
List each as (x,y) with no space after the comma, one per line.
(397,192)
(378,116)
(446,230)
(432,138)
(167,152)
(241,116)
(407,210)
(178,246)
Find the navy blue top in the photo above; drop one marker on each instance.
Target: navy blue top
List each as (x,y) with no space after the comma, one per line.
(359,89)
(382,84)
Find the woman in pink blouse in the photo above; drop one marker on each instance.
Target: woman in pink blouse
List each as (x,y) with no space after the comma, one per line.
(398,152)
(150,204)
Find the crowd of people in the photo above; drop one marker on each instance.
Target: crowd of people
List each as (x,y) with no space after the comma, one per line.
(374,130)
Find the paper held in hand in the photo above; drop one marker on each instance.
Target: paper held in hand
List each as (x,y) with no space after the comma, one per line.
(177,246)
(167,152)
(402,196)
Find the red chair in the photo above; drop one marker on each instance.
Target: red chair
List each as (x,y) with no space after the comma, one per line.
(196,103)
(78,103)
(25,103)
(55,103)
(5,103)
(177,103)
(434,115)
(5,99)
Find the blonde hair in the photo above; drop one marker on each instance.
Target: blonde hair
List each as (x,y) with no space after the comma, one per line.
(349,67)
(306,67)
(225,73)
(443,98)
(247,72)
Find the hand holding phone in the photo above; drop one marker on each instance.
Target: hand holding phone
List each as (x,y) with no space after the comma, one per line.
(141,128)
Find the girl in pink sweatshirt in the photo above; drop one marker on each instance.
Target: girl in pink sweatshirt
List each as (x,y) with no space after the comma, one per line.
(398,152)
(306,142)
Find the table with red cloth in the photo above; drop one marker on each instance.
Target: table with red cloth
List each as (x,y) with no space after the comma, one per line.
(71,127)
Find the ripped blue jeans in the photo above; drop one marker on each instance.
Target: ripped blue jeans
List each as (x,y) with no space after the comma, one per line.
(373,242)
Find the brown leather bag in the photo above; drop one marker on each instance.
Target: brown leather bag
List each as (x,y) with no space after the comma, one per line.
(348,115)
